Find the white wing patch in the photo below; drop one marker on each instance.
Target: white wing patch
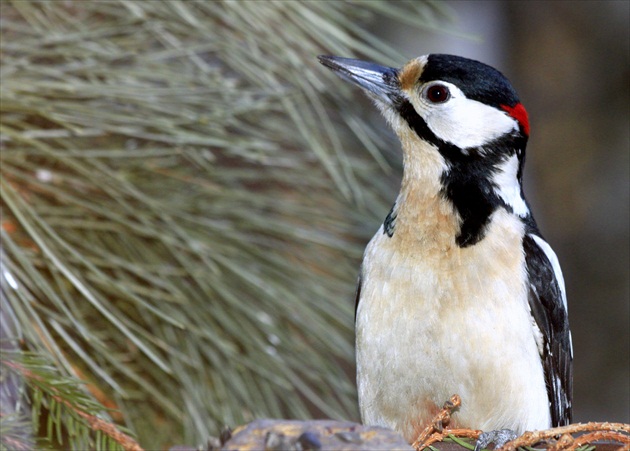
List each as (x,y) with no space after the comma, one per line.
(509,190)
(538,336)
(555,264)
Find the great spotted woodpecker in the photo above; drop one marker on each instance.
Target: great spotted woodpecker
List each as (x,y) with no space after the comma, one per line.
(458,291)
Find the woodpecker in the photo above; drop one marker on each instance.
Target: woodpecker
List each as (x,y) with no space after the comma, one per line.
(458,290)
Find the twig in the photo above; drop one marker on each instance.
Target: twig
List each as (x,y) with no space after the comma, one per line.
(562,438)
(441,419)
(617,432)
(440,436)
(97,424)
(600,436)
(435,431)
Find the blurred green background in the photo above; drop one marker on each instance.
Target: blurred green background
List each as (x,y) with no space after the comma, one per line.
(186,195)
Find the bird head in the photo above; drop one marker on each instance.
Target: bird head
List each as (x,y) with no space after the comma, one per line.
(457,101)
(462,113)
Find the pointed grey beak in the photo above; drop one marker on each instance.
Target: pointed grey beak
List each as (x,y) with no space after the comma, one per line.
(381,82)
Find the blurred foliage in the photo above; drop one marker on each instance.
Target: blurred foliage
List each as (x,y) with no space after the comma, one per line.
(178,195)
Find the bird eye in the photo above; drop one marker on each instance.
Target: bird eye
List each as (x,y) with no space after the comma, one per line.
(437,94)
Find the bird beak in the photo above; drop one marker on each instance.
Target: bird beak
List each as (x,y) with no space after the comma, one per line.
(380,82)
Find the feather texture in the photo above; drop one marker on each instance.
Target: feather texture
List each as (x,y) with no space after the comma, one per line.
(547,301)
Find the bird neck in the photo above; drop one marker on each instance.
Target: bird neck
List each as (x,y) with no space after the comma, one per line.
(422,213)
(447,189)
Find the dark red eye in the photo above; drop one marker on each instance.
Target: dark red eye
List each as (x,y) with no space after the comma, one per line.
(438,94)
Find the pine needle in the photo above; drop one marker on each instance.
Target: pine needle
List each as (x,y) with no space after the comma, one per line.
(179,221)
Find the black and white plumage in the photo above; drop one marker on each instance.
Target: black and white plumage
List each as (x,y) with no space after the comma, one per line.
(458,292)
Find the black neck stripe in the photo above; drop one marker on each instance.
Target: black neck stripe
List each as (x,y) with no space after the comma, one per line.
(468,182)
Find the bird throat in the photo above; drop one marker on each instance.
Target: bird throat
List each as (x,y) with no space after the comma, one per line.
(445,189)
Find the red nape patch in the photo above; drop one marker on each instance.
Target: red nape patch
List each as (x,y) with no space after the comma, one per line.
(519,113)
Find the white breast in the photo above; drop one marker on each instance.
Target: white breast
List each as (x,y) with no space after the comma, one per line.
(435,319)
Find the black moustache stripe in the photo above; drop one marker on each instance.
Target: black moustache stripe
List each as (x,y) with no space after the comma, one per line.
(417,124)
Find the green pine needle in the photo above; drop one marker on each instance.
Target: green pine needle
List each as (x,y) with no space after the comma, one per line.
(67,408)
(461,442)
(185,195)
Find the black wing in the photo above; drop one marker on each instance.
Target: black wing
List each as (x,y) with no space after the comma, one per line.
(357,297)
(548,306)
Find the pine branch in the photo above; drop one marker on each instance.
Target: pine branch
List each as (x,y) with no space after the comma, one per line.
(62,398)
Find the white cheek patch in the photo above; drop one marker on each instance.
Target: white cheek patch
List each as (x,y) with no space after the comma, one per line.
(508,188)
(465,122)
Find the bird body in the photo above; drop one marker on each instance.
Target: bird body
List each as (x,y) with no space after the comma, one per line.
(458,292)
(432,322)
